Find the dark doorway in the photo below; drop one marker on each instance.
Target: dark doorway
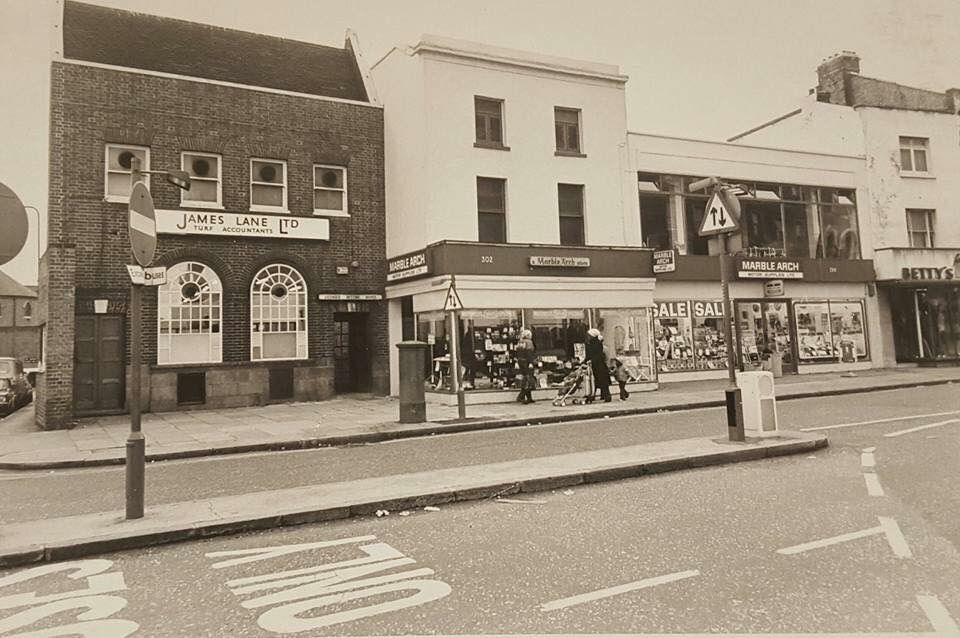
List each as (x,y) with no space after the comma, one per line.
(351,352)
(99,373)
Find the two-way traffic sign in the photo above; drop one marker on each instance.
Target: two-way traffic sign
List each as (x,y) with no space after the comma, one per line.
(717,218)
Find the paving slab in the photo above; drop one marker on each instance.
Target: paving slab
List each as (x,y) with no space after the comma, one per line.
(88,534)
(364,419)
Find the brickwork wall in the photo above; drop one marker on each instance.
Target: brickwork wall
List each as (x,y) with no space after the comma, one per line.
(92,107)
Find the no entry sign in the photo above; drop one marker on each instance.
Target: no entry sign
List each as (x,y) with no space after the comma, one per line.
(143,225)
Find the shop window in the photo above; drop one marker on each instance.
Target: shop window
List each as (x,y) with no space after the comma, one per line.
(560,336)
(920,228)
(913,154)
(694,209)
(329,190)
(826,328)
(488,115)
(567,129)
(488,339)
(191,388)
(655,222)
(205,180)
(278,314)
(117,173)
(268,185)
(938,322)
(627,336)
(689,336)
(492,210)
(189,319)
(570,197)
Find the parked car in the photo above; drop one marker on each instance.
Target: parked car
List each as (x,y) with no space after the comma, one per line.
(15,389)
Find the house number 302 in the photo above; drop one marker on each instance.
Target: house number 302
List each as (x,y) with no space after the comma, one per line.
(486,259)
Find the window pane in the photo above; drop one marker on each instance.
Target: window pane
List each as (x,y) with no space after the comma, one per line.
(906,163)
(481,127)
(654,223)
(694,208)
(268,172)
(571,231)
(201,166)
(847,326)
(567,116)
(558,130)
(840,237)
(327,200)
(267,195)
(492,228)
(118,184)
(796,230)
(814,333)
(571,199)
(919,160)
(496,134)
(118,158)
(490,194)
(324,177)
(487,107)
(201,191)
(763,225)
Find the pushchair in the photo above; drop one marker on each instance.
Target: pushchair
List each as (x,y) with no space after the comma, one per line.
(577,387)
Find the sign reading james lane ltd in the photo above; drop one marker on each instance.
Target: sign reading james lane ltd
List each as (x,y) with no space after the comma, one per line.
(187,222)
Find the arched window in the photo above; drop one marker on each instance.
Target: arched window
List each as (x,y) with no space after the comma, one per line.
(278,314)
(189,315)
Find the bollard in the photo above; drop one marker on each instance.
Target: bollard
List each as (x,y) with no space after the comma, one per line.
(735,415)
(413,404)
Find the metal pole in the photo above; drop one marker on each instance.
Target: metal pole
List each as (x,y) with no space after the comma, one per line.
(734,406)
(136,444)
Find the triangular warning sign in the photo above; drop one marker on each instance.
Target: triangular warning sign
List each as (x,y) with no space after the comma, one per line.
(452,301)
(717,218)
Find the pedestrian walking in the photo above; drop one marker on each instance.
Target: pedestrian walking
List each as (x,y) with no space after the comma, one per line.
(598,363)
(526,354)
(622,376)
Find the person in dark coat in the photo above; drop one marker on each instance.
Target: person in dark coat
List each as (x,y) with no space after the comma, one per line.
(526,355)
(598,363)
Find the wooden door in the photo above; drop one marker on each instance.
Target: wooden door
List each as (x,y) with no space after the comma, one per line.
(99,363)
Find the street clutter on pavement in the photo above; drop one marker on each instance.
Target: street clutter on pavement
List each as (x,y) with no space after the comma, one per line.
(366,419)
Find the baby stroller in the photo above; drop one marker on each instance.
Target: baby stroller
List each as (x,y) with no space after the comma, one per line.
(577,387)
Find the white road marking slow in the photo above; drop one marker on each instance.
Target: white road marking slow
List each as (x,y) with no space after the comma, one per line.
(921,427)
(619,589)
(888,527)
(873,484)
(908,417)
(867,459)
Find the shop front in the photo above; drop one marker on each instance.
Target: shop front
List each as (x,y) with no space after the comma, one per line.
(921,288)
(792,316)
(557,293)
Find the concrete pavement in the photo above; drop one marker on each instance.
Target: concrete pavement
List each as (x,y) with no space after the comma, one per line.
(365,419)
(74,536)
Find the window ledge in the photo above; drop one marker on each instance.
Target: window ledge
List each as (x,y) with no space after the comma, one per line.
(330,213)
(269,209)
(917,175)
(569,154)
(491,146)
(204,205)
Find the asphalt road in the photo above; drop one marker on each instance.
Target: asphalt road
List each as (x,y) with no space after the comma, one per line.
(34,495)
(805,544)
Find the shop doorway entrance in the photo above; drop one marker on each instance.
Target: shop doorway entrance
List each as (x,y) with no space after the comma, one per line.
(351,352)
(99,372)
(764,326)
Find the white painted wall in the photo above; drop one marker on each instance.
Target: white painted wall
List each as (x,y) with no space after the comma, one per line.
(819,127)
(892,193)
(431,179)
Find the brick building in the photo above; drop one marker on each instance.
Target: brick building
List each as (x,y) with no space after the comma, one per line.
(274,257)
(20,322)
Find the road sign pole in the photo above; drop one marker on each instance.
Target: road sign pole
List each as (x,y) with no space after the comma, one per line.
(456,375)
(734,406)
(136,444)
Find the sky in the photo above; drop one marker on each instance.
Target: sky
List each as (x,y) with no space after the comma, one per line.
(705,69)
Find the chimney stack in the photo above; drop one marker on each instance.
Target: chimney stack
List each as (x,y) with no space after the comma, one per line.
(953,100)
(832,77)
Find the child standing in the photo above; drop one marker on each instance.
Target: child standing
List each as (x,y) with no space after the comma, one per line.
(622,376)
